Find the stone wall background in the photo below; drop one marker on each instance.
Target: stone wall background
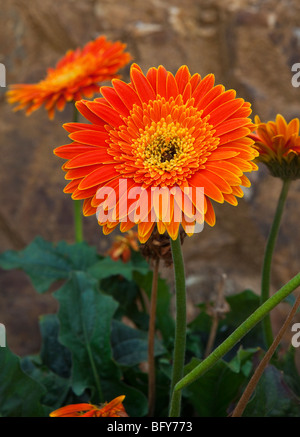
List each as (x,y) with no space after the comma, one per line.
(249,46)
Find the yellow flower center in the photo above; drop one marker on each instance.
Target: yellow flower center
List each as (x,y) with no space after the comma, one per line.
(163,146)
(67,75)
(70,73)
(174,142)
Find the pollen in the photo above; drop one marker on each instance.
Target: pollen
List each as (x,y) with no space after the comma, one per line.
(164,147)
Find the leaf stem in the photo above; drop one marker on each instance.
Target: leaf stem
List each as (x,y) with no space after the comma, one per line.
(267,264)
(180,326)
(239,333)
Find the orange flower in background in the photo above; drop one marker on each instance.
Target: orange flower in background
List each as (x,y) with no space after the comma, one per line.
(114,408)
(278,144)
(121,247)
(75,76)
(160,132)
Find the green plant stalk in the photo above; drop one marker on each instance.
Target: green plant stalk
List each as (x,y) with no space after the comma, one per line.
(78,221)
(238,334)
(151,340)
(77,203)
(267,264)
(180,324)
(95,373)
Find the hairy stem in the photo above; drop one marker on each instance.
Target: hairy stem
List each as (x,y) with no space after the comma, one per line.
(180,326)
(267,264)
(151,337)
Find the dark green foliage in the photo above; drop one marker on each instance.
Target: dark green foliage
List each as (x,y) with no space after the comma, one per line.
(94,348)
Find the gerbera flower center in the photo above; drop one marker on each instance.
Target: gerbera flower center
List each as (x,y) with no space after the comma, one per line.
(162,149)
(163,146)
(69,74)
(175,141)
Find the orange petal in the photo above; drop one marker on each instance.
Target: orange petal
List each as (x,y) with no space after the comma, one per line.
(210,216)
(142,85)
(72,410)
(98,176)
(98,156)
(210,189)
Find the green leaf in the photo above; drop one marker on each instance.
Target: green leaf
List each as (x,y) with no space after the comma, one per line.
(242,305)
(85,316)
(46,263)
(202,321)
(20,395)
(130,346)
(53,354)
(108,267)
(273,397)
(165,322)
(127,294)
(212,394)
(240,363)
(287,363)
(57,388)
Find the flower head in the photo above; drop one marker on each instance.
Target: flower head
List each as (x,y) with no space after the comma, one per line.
(278,144)
(122,246)
(75,76)
(114,408)
(152,145)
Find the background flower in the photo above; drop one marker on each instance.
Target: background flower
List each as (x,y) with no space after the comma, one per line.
(278,144)
(114,408)
(122,246)
(76,75)
(159,131)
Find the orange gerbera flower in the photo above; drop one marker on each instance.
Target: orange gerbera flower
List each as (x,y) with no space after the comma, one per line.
(151,144)
(115,408)
(278,144)
(121,247)
(76,75)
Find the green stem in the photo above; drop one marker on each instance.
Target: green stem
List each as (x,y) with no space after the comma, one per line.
(151,340)
(78,220)
(95,373)
(266,272)
(239,333)
(180,327)
(77,207)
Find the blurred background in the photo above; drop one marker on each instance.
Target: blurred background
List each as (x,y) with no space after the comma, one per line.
(249,46)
